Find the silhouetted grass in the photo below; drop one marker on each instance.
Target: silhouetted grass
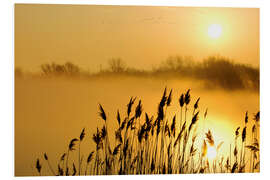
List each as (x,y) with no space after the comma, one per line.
(158,144)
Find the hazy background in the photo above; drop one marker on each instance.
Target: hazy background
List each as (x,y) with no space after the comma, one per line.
(142,36)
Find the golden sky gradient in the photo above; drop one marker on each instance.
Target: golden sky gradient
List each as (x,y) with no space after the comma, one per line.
(142,36)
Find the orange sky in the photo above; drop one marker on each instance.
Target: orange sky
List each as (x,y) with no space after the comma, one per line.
(142,36)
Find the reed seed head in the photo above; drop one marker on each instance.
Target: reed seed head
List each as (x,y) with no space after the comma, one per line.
(181,100)
(72,144)
(38,166)
(138,110)
(90,157)
(169,100)
(118,118)
(246,118)
(82,135)
(102,113)
(196,105)
(45,157)
(244,132)
(187,97)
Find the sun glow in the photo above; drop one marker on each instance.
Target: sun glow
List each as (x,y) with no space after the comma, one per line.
(211,152)
(214,31)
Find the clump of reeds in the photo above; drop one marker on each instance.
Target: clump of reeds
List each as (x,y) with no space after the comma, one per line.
(157,144)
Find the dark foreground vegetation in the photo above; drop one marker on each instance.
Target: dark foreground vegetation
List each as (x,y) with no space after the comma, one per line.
(213,71)
(146,144)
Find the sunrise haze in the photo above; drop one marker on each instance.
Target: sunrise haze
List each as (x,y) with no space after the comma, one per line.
(142,36)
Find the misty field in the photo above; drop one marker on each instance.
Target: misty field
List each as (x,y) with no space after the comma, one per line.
(118,121)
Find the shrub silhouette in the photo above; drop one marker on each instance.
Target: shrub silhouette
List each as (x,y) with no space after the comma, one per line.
(58,69)
(117,65)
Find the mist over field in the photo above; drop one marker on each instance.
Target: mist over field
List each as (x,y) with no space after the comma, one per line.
(50,111)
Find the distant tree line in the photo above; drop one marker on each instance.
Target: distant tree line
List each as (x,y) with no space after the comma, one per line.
(215,70)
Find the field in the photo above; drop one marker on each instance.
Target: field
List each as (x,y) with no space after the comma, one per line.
(155,130)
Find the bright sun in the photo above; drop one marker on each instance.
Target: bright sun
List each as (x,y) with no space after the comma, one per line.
(214,31)
(211,152)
